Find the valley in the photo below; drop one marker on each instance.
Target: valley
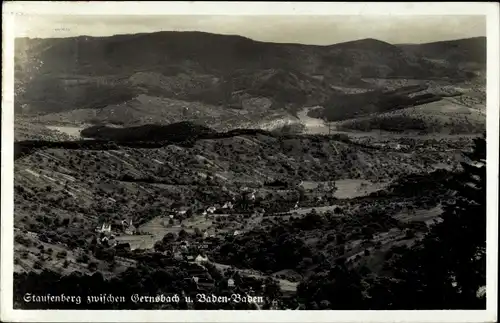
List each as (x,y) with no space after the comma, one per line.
(277,170)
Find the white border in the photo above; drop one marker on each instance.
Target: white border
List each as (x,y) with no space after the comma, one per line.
(247,8)
(11,9)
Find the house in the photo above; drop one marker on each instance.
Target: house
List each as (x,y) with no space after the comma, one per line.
(236,233)
(109,240)
(189,258)
(228,205)
(249,195)
(106,228)
(208,234)
(211,209)
(201,259)
(128,226)
(130,229)
(182,210)
(252,195)
(230,282)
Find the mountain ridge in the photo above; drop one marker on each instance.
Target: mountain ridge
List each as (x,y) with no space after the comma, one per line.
(215,71)
(188,45)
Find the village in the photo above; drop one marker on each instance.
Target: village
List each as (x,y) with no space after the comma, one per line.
(206,224)
(189,236)
(125,232)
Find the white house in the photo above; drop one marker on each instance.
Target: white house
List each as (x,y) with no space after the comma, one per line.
(211,209)
(236,233)
(230,282)
(252,195)
(106,228)
(200,259)
(227,205)
(129,227)
(111,241)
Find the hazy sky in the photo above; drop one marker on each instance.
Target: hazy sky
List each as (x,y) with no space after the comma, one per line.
(320,30)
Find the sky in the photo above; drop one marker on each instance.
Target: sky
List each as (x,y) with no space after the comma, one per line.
(314,30)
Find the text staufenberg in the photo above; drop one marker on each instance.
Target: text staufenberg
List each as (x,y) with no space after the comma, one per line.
(137,298)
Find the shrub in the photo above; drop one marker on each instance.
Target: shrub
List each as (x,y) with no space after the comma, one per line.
(62,254)
(92,266)
(410,234)
(38,264)
(83,258)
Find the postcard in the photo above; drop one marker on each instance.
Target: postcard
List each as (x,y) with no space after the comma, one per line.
(249,162)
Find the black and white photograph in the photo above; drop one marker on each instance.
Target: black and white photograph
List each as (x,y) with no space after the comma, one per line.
(242,161)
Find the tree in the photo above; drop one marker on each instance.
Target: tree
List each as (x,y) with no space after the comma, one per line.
(442,271)
(446,269)
(38,264)
(183,234)
(271,290)
(338,287)
(83,258)
(169,237)
(159,247)
(92,266)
